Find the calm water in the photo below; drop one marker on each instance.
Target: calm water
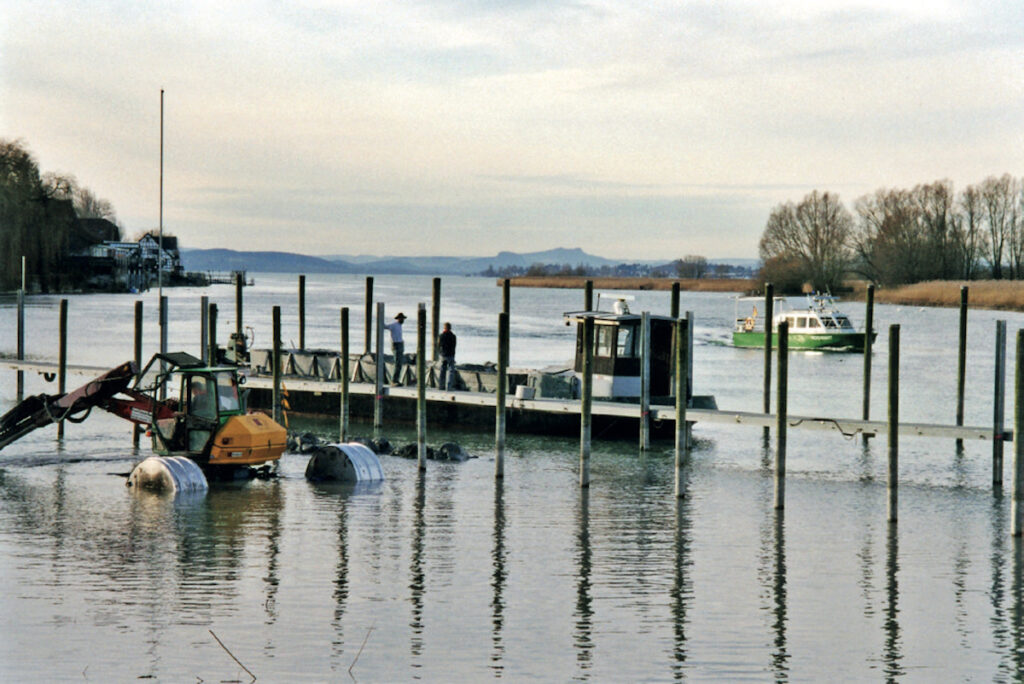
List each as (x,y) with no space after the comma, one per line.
(447,576)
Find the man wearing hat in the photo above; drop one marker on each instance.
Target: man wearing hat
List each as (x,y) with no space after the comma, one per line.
(397,346)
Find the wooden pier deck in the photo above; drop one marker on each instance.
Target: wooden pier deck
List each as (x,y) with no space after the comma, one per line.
(571,407)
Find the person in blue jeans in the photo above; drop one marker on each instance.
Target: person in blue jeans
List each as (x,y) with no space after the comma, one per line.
(446,347)
(397,346)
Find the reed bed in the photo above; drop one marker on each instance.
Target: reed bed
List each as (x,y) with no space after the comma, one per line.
(690,284)
(982,294)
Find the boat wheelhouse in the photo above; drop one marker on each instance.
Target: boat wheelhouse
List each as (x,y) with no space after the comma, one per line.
(818,326)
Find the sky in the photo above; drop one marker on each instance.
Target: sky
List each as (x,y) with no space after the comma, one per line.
(437,127)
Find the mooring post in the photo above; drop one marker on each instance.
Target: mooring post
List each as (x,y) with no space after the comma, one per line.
(588,295)
(506,297)
(204,335)
(275,360)
(674,307)
(961,366)
(21,335)
(435,320)
(163,324)
(136,428)
(781,406)
(586,399)
(211,356)
(421,385)
(378,380)
(869,327)
(302,312)
(239,284)
(769,304)
(1017,508)
(500,412)
(369,314)
(999,405)
(343,377)
(682,366)
(645,381)
(62,358)
(894,420)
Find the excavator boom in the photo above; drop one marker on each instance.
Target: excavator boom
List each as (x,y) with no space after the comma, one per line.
(44,409)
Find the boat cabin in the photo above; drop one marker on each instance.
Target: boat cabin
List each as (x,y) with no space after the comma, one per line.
(617,352)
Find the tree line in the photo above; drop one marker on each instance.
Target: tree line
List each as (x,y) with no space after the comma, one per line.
(37,219)
(690,266)
(897,236)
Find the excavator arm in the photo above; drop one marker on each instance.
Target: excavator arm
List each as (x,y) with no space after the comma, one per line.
(44,409)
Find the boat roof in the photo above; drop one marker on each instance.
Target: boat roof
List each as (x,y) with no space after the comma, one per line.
(609,316)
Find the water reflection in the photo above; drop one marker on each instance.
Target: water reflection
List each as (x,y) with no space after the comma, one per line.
(682,583)
(772,574)
(417,582)
(584,613)
(892,656)
(498,578)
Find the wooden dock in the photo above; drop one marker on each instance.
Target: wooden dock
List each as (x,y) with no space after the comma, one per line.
(848,427)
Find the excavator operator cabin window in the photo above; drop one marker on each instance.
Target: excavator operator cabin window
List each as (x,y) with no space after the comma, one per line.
(202,397)
(227,392)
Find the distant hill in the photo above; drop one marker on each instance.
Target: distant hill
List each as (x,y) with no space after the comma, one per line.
(286,262)
(267,262)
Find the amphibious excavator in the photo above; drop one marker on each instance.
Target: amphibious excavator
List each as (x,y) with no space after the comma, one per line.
(189,409)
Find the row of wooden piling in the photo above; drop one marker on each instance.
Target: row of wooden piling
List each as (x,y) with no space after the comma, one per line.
(683,363)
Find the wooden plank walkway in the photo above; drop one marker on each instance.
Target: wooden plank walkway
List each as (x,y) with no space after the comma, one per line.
(845,426)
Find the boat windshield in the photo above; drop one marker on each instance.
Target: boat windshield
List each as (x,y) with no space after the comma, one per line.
(844,322)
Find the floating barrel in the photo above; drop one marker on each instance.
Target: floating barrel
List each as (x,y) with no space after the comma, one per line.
(168,474)
(349,462)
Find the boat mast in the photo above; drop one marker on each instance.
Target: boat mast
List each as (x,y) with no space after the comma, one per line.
(160,244)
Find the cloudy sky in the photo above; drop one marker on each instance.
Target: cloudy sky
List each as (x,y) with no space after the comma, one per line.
(633,130)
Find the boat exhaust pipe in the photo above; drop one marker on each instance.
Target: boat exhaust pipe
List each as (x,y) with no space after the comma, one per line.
(348,462)
(167,475)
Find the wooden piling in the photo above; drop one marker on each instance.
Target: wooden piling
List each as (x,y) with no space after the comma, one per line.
(769,306)
(421,386)
(645,381)
(369,315)
(239,284)
(506,297)
(499,404)
(999,404)
(62,358)
(588,296)
(204,334)
(961,366)
(211,354)
(894,421)
(343,378)
(276,361)
(378,380)
(302,312)
(586,400)
(435,320)
(136,428)
(1017,508)
(781,407)
(869,326)
(163,324)
(674,307)
(21,338)
(681,380)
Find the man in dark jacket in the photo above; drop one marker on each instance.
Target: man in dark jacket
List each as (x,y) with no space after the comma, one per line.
(446,345)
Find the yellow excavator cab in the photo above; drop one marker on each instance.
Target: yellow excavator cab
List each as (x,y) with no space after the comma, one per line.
(248,439)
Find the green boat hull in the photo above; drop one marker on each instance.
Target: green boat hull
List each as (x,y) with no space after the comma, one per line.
(847,342)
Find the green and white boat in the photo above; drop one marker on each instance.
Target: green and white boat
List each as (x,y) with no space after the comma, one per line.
(819,326)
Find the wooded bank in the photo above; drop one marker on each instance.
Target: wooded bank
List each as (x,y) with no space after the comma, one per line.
(691,284)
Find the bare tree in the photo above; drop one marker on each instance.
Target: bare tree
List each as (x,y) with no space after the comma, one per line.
(971,242)
(996,198)
(814,234)
(692,266)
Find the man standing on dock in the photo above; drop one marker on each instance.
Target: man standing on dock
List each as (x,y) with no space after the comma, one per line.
(397,346)
(446,345)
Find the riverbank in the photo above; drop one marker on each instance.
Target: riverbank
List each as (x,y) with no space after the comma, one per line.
(982,294)
(689,284)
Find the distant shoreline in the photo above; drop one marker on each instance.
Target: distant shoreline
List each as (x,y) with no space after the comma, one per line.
(641,283)
(1007,295)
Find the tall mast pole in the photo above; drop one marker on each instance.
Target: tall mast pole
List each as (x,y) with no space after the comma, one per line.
(160,252)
